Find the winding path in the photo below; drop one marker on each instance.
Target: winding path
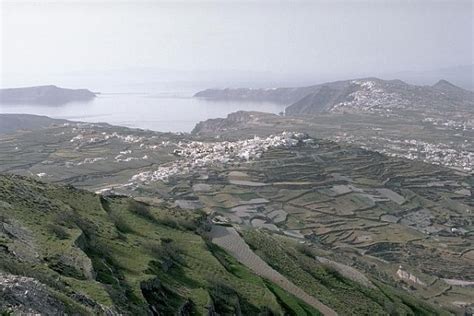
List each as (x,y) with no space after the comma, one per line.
(228,239)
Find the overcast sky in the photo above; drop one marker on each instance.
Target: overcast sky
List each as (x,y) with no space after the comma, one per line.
(283,37)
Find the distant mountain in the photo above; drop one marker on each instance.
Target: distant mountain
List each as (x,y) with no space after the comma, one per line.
(434,123)
(376,95)
(44,95)
(447,87)
(354,96)
(462,76)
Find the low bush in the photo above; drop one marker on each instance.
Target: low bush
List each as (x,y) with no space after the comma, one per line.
(140,209)
(59,231)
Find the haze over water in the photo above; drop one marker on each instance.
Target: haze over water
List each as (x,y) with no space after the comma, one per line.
(145,107)
(142,54)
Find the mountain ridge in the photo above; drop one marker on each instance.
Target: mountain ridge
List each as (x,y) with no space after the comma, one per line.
(359,95)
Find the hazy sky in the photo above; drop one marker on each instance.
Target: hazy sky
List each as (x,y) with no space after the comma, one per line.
(338,37)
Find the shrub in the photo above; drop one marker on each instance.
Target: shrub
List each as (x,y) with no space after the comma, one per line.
(305,250)
(65,219)
(6,312)
(140,209)
(168,253)
(59,231)
(121,225)
(168,222)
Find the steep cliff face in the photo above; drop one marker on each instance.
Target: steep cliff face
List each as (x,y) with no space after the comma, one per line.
(44,95)
(319,101)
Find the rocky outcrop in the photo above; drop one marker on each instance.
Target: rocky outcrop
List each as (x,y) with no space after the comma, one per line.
(27,296)
(20,295)
(50,95)
(162,300)
(405,275)
(73,263)
(19,240)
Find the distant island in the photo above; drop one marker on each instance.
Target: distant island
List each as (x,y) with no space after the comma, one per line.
(49,95)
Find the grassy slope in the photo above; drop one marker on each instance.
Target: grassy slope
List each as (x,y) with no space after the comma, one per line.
(143,255)
(345,296)
(132,247)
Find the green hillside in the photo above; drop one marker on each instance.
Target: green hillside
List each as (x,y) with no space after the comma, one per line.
(86,253)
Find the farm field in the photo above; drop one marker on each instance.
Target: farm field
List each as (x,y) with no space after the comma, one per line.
(331,220)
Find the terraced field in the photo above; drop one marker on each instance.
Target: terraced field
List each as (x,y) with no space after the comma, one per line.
(357,231)
(87,254)
(371,212)
(95,156)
